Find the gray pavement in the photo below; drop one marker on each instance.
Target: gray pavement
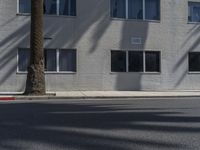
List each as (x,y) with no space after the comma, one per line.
(139,124)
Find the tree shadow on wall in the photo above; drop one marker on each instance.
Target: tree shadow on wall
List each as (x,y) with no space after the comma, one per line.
(69,30)
(131,80)
(190,44)
(90,27)
(9,46)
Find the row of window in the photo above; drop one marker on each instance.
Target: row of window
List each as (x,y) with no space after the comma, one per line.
(136,9)
(64,60)
(56,60)
(51,7)
(146,61)
(135,61)
(147,10)
(127,9)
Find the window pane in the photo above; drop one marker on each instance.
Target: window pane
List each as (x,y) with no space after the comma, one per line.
(118,61)
(50,59)
(118,8)
(135,9)
(23,59)
(67,60)
(50,7)
(194,12)
(136,61)
(24,6)
(67,7)
(152,61)
(152,9)
(194,61)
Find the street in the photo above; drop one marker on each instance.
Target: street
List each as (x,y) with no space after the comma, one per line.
(137,124)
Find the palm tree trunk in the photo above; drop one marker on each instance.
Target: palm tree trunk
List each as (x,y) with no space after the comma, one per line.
(35,83)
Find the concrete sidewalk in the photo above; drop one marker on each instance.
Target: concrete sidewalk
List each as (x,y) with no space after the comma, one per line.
(127,94)
(103,94)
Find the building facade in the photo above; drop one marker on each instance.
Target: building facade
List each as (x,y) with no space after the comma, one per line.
(105,44)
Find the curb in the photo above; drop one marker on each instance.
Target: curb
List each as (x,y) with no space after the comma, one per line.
(96,97)
(7,98)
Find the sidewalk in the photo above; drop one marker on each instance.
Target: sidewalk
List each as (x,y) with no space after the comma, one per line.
(104,95)
(127,94)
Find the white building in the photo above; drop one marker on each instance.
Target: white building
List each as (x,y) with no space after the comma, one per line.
(105,44)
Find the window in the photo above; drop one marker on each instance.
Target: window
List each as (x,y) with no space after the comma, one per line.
(152,61)
(135,61)
(23,59)
(118,61)
(194,61)
(55,60)
(152,10)
(24,6)
(51,7)
(136,9)
(67,60)
(67,7)
(118,8)
(194,12)
(50,60)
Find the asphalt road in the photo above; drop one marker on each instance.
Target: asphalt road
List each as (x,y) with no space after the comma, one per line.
(144,124)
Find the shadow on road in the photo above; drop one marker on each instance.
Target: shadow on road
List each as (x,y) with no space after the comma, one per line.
(88,126)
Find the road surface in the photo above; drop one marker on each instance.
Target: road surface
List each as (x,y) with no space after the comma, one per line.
(138,124)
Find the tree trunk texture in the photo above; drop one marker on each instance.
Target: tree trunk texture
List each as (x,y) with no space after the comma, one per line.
(35,83)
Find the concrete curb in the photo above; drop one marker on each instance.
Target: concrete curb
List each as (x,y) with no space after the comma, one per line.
(96,97)
(9,98)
